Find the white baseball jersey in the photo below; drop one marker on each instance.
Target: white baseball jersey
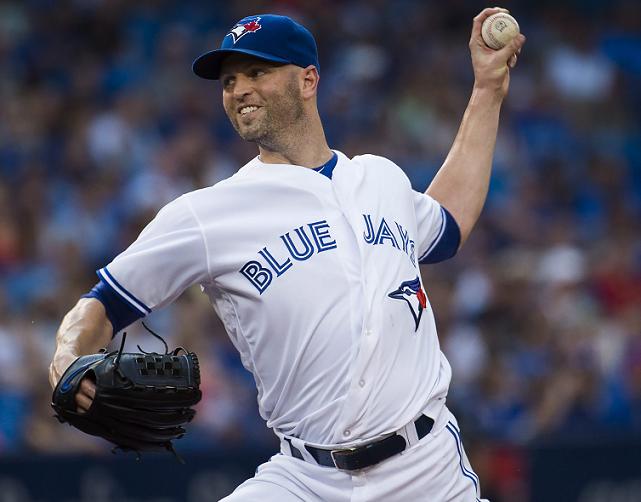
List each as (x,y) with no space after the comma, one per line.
(317,283)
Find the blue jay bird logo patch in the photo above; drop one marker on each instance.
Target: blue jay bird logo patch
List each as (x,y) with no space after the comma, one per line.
(247,25)
(414,296)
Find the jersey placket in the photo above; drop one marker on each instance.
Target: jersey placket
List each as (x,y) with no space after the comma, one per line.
(352,420)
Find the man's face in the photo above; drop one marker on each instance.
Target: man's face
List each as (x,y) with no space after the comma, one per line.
(262,99)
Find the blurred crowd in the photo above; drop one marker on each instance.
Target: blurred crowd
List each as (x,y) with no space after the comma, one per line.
(102,123)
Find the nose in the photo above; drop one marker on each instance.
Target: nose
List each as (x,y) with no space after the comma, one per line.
(242,87)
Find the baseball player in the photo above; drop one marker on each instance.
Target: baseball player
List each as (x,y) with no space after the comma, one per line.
(311,260)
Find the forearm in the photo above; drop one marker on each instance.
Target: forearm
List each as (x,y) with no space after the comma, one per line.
(84,330)
(462,182)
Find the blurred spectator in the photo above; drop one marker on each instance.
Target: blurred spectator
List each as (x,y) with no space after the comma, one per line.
(102,123)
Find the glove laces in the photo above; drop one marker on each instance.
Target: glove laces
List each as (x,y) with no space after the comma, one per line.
(169,445)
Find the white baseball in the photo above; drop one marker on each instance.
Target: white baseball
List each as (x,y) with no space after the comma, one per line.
(498,29)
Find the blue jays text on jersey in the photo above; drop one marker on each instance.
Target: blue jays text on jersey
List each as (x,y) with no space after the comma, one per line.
(273,263)
(382,233)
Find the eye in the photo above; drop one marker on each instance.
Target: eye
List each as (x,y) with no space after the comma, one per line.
(228,82)
(256,72)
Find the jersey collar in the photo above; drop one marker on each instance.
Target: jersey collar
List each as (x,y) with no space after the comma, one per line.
(328,167)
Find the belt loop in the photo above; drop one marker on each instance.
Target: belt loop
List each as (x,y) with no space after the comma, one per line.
(286,447)
(403,432)
(412,434)
(299,444)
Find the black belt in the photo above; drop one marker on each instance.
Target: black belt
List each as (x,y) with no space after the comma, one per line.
(359,457)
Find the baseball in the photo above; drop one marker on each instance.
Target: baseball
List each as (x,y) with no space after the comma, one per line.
(498,29)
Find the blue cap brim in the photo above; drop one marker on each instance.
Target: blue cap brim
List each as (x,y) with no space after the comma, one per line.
(208,65)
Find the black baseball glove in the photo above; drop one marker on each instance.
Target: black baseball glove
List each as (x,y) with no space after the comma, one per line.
(142,399)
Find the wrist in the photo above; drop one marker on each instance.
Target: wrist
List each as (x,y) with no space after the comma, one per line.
(62,359)
(487,94)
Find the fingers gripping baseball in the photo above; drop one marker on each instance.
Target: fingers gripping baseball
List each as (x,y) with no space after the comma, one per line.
(491,67)
(476,37)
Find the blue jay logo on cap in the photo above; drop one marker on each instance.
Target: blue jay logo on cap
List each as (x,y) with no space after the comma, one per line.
(413,295)
(243,27)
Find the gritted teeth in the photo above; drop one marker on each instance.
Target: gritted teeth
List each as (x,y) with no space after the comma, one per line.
(248,109)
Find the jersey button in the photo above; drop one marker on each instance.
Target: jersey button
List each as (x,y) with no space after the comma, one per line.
(368,332)
(346,432)
(361,383)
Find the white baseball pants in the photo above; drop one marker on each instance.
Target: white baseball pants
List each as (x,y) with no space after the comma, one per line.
(435,469)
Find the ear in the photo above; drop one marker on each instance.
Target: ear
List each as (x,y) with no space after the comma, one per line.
(309,82)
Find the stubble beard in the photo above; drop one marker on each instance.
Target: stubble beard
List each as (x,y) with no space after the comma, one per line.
(280,121)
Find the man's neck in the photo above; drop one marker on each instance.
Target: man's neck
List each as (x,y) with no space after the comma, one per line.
(307,147)
(304,156)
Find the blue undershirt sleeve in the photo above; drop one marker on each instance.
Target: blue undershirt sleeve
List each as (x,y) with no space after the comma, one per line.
(119,311)
(448,242)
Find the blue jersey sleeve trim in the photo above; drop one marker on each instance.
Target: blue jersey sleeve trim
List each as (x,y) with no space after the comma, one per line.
(446,243)
(106,276)
(119,311)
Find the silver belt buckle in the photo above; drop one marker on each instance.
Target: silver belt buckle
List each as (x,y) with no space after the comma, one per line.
(344,450)
(363,446)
